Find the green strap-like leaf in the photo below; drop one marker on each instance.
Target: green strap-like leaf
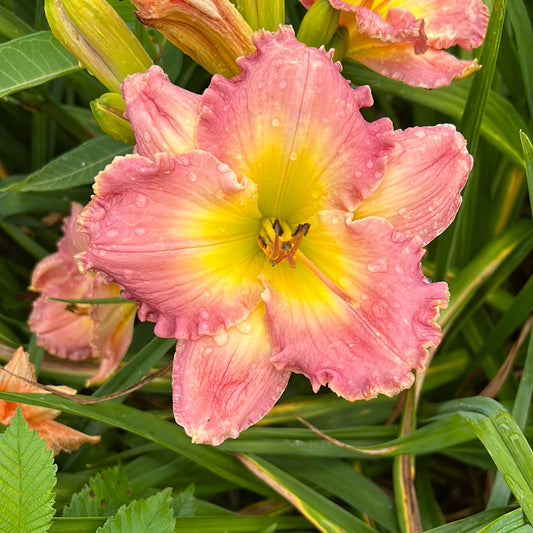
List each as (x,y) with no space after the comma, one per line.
(152,514)
(32,60)
(27,477)
(527,148)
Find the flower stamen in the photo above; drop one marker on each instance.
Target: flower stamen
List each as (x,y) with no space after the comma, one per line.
(275,247)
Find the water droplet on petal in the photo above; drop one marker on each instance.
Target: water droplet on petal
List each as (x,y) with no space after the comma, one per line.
(193,176)
(275,122)
(221,339)
(141,200)
(380,265)
(245,326)
(282,84)
(140,231)
(335,220)
(222,167)
(293,156)
(204,313)
(112,233)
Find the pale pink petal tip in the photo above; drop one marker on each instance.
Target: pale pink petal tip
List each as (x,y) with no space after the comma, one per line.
(163,115)
(224,384)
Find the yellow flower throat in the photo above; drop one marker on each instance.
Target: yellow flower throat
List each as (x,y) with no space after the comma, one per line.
(279,242)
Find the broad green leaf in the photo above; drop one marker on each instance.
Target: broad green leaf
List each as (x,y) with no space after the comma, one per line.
(105,493)
(324,514)
(152,514)
(27,477)
(32,60)
(77,167)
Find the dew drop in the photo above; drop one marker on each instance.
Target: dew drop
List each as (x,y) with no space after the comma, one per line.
(380,265)
(204,313)
(398,269)
(193,177)
(335,220)
(112,233)
(221,339)
(222,167)
(141,200)
(245,326)
(293,156)
(282,84)
(140,231)
(402,212)
(276,122)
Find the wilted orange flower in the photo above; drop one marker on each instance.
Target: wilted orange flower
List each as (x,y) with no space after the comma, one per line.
(58,437)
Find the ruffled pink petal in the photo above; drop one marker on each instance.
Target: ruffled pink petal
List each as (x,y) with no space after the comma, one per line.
(420,193)
(431,70)
(356,313)
(63,332)
(73,241)
(449,22)
(291,123)
(113,329)
(180,235)
(163,115)
(224,384)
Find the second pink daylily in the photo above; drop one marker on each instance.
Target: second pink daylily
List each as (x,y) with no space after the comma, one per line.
(81,331)
(272,228)
(406,39)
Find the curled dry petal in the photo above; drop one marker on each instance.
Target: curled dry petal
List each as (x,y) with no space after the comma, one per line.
(58,437)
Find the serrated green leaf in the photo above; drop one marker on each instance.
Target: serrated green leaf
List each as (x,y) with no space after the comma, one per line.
(27,477)
(74,168)
(32,60)
(152,514)
(184,502)
(105,493)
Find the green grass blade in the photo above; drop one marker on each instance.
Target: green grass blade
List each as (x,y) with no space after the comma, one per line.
(327,516)
(152,428)
(477,522)
(32,60)
(527,148)
(485,272)
(500,434)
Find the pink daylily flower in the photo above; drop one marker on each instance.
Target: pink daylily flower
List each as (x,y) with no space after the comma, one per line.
(58,437)
(101,331)
(272,228)
(405,39)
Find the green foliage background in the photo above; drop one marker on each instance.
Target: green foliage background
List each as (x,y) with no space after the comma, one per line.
(464,428)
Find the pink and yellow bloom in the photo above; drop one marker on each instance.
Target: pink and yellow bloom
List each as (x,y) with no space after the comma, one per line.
(58,437)
(275,230)
(406,39)
(81,331)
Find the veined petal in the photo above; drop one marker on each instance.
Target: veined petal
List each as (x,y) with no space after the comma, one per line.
(180,235)
(291,123)
(163,115)
(447,22)
(113,329)
(420,193)
(431,70)
(224,384)
(356,313)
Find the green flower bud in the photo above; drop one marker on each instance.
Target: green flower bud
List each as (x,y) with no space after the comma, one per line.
(319,24)
(94,33)
(262,14)
(108,112)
